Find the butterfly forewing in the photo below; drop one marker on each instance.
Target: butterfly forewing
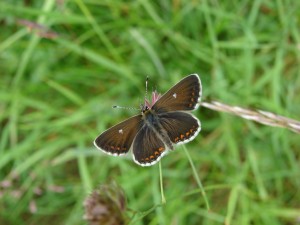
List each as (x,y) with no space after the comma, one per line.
(185,95)
(180,126)
(148,148)
(118,139)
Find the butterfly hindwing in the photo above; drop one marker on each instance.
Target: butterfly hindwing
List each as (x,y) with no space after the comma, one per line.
(184,96)
(148,148)
(181,127)
(118,139)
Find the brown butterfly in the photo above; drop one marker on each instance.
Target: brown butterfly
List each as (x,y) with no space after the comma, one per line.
(163,123)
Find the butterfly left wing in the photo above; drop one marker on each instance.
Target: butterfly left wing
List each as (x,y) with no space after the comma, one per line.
(118,139)
(185,96)
(148,148)
(181,127)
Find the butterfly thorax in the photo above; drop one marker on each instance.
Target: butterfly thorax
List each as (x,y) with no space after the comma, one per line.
(149,116)
(151,119)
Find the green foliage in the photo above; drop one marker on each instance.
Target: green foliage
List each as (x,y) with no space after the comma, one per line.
(58,82)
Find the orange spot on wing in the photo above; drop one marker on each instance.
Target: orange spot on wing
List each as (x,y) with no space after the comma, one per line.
(161,149)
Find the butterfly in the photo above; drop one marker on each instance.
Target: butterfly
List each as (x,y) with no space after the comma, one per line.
(164,122)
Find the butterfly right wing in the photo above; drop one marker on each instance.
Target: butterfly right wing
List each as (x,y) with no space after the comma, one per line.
(118,139)
(181,127)
(183,96)
(148,147)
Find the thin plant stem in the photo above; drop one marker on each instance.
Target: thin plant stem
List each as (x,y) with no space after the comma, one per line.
(163,199)
(196,177)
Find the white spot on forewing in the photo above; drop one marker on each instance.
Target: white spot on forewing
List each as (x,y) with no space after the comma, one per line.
(174,95)
(121,131)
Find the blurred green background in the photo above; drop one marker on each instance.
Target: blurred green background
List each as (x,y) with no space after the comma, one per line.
(59,79)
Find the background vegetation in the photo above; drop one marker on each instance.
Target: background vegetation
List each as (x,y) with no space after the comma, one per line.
(58,82)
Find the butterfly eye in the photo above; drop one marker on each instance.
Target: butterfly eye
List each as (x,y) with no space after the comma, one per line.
(145,108)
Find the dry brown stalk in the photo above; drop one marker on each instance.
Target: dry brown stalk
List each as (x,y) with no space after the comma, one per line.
(260,116)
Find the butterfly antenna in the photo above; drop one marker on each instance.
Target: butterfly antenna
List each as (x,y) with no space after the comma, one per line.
(124,107)
(147,79)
